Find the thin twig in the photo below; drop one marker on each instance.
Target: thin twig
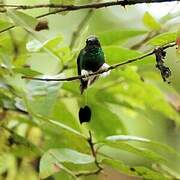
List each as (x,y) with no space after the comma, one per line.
(16,110)
(114,66)
(63,8)
(85,6)
(143,41)
(6,29)
(88,173)
(81,26)
(103,5)
(91,144)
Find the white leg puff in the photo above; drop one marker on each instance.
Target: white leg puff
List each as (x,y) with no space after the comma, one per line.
(85,73)
(105,67)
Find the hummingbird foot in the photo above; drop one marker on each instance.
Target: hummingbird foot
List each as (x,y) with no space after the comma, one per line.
(104,67)
(89,79)
(86,74)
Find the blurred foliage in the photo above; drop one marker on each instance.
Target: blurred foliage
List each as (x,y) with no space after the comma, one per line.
(135,115)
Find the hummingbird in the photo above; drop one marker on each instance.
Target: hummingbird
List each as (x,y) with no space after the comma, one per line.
(91,59)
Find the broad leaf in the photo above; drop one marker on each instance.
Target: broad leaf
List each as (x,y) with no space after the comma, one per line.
(104,122)
(52,161)
(150,22)
(126,138)
(4,24)
(153,144)
(118,36)
(163,39)
(42,95)
(27,71)
(5,58)
(143,152)
(116,54)
(44,120)
(23,20)
(143,172)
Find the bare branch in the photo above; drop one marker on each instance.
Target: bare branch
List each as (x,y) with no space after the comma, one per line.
(122,3)
(63,8)
(93,151)
(86,6)
(114,66)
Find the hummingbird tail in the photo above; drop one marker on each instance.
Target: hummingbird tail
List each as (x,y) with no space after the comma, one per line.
(83,86)
(86,83)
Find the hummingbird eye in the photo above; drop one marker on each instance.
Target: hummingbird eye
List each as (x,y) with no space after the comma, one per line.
(97,43)
(89,42)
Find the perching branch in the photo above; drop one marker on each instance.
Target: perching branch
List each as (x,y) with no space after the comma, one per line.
(114,66)
(86,6)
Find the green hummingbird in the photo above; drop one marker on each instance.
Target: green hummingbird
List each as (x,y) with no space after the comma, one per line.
(91,59)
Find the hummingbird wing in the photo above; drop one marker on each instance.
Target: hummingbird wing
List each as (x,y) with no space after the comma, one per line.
(84,83)
(78,64)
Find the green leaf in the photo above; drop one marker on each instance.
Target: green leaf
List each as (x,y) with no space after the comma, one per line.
(54,43)
(129,138)
(69,155)
(149,174)
(144,172)
(126,138)
(5,58)
(42,95)
(24,146)
(56,46)
(143,152)
(118,165)
(166,171)
(7,162)
(47,121)
(150,22)
(118,36)
(27,71)
(4,24)
(51,44)
(52,161)
(66,117)
(137,94)
(29,23)
(104,122)
(163,39)
(116,54)
(23,20)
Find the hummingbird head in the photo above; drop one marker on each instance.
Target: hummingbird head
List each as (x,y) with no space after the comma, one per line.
(92,42)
